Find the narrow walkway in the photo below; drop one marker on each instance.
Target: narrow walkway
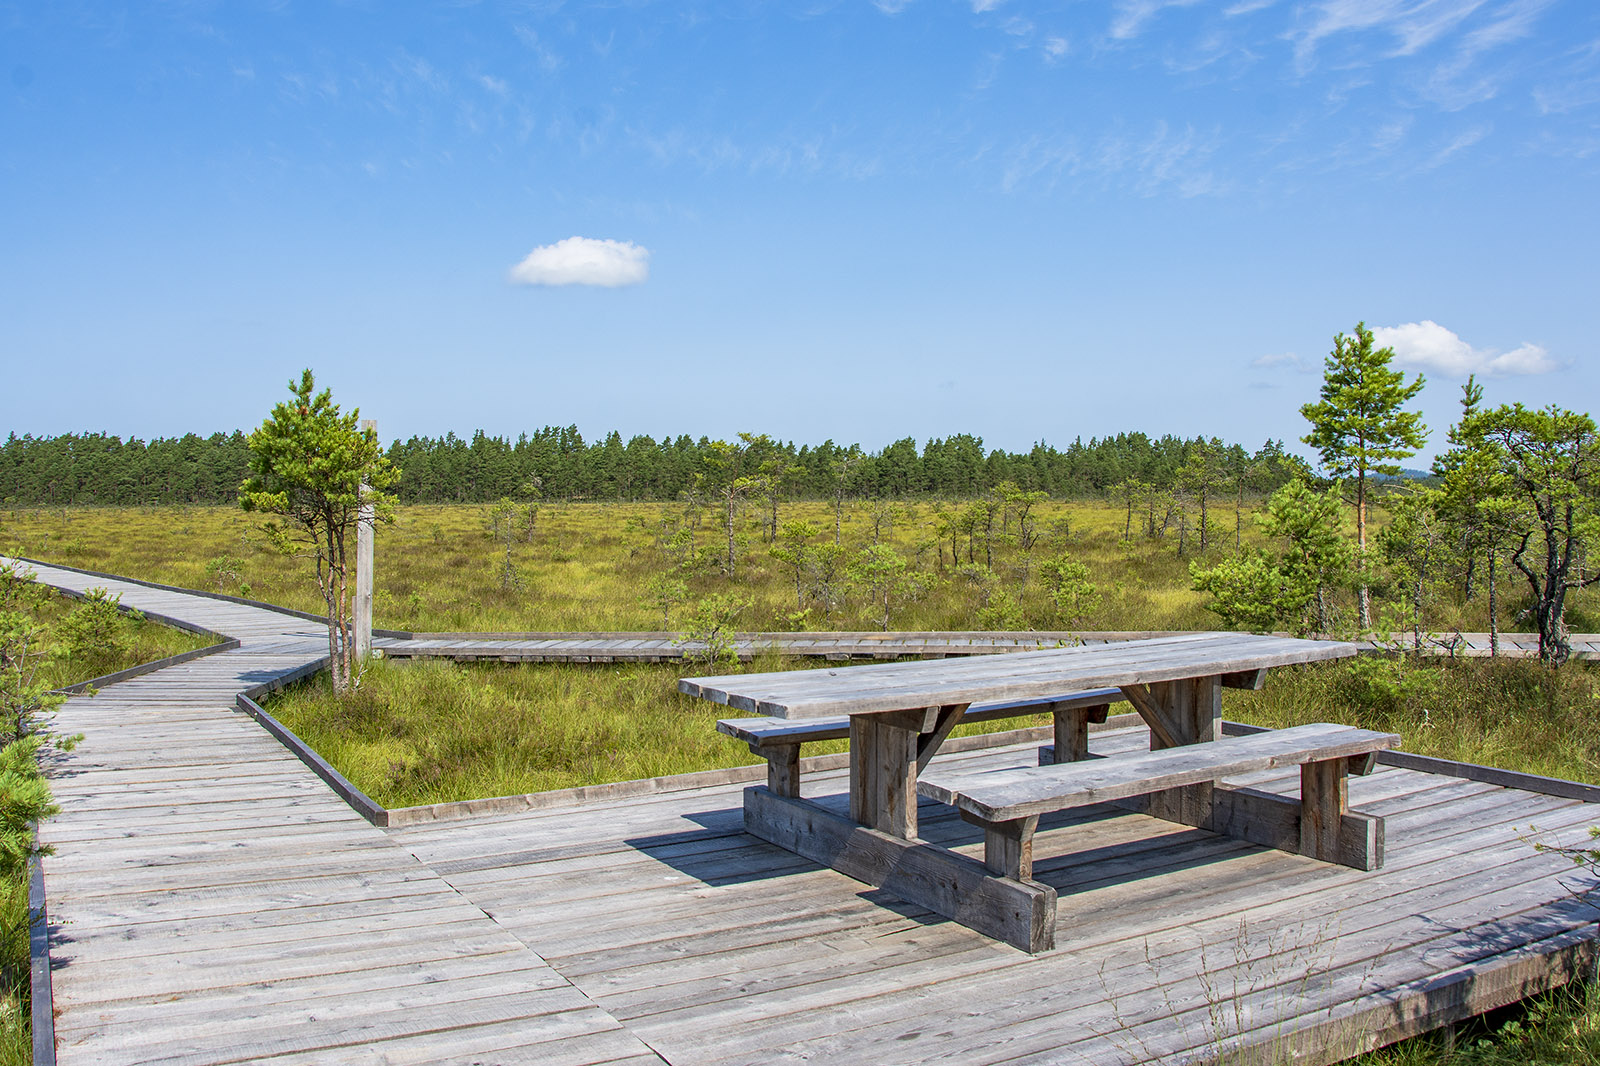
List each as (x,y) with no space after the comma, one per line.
(211,901)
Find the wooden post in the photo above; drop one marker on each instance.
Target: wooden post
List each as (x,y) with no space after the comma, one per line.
(364,524)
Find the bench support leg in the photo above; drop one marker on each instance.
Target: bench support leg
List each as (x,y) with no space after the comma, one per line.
(783,769)
(1021,913)
(1007,846)
(1276,821)
(1324,802)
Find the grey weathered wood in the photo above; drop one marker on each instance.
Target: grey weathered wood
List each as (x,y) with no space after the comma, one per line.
(1273,821)
(1324,800)
(1014,793)
(883,773)
(365,530)
(762,733)
(1022,675)
(1019,913)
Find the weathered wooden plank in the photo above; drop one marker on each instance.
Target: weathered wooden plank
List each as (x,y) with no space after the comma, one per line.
(1022,914)
(1014,793)
(819,693)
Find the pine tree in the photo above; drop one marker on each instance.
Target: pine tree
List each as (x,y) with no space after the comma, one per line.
(1360,429)
(311,465)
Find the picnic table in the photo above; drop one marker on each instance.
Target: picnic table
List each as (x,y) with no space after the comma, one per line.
(900,713)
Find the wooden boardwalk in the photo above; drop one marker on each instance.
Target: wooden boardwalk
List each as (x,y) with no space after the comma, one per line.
(213,902)
(667,647)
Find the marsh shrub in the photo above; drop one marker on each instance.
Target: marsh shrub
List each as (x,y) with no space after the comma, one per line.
(92,633)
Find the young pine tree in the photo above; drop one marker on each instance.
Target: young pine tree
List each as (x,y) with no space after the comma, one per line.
(1360,429)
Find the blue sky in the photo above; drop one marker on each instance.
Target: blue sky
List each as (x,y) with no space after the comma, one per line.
(856,220)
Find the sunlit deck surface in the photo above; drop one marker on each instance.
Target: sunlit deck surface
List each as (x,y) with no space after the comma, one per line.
(712,946)
(212,901)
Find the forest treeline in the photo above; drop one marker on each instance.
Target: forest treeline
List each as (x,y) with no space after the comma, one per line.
(557,463)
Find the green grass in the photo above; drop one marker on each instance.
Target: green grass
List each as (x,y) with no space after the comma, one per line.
(139,640)
(586,564)
(1559,1028)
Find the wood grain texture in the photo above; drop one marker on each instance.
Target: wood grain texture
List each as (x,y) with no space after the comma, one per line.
(1022,675)
(1017,792)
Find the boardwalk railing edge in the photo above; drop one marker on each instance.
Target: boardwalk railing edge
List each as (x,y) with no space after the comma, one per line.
(78,689)
(357,800)
(261,604)
(42,1001)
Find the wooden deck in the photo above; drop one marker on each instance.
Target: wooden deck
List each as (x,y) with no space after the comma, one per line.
(213,902)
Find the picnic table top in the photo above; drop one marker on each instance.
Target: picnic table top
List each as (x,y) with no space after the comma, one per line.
(1023,675)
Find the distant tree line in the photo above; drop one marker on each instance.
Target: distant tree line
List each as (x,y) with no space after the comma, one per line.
(557,463)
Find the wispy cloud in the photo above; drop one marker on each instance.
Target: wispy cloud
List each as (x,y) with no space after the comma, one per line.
(584,261)
(1460,142)
(1162,159)
(549,60)
(1426,345)
(1130,17)
(1411,24)
(1283,361)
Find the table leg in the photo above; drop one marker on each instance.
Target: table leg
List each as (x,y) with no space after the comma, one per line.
(884,750)
(1072,733)
(1190,712)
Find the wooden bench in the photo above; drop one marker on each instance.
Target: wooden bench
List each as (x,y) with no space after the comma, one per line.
(1007,803)
(778,740)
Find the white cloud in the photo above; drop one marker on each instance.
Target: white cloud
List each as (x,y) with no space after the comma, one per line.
(1056,47)
(1426,345)
(1133,15)
(584,261)
(1288,360)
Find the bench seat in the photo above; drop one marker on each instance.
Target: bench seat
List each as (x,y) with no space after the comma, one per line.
(1007,802)
(778,740)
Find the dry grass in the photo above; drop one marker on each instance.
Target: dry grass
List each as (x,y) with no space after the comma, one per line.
(586,566)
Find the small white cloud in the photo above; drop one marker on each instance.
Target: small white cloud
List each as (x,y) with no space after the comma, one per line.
(498,86)
(1056,47)
(1288,360)
(584,261)
(980,6)
(1426,345)
(891,7)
